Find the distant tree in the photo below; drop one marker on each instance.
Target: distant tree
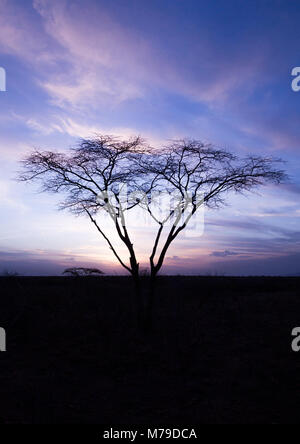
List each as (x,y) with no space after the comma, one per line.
(81,271)
(7,273)
(92,175)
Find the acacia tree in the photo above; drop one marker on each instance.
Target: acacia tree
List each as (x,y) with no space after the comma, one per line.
(92,176)
(83,272)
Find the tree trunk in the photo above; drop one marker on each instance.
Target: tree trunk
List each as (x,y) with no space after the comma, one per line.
(149,305)
(138,301)
(144,292)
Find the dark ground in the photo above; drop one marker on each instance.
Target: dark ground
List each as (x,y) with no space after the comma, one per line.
(220,352)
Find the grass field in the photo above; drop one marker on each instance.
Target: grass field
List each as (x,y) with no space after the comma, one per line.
(220,351)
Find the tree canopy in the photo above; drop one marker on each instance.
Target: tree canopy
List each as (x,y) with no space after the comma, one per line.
(100,173)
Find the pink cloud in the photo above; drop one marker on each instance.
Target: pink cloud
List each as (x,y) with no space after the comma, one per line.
(113,63)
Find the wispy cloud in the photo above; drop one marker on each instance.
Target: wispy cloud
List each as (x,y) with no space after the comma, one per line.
(84,64)
(224,253)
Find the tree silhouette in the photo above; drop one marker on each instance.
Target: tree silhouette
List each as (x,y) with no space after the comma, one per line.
(82,272)
(93,176)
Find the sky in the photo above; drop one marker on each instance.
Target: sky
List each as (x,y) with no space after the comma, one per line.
(165,69)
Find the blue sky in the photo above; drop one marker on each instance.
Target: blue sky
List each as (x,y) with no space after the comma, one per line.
(218,71)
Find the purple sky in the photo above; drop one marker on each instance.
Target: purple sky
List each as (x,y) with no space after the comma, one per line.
(217,71)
